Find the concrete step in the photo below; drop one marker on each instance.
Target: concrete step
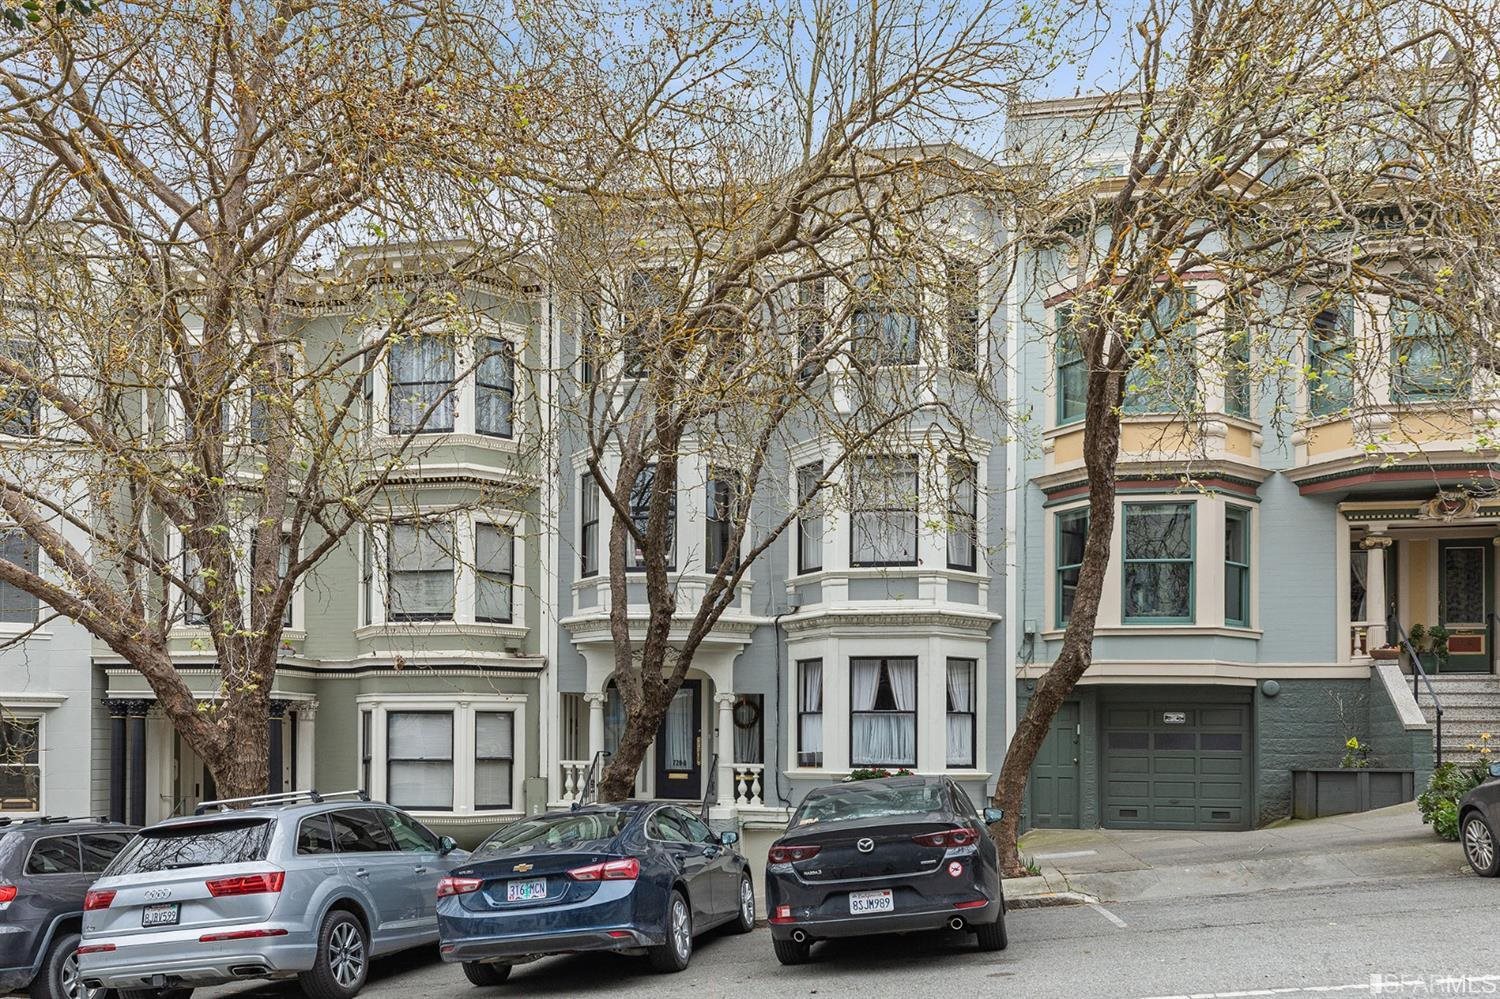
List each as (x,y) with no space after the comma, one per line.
(1478,682)
(1458,716)
(1456,698)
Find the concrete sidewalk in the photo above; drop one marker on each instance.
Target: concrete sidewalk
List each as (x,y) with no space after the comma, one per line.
(1129,865)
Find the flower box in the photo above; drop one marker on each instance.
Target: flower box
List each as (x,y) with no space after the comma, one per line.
(1387,653)
(1338,791)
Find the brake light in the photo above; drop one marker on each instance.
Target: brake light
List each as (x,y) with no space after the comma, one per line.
(792,854)
(947,838)
(457,886)
(246,884)
(96,899)
(783,914)
(240,935)
(7,895)
(611,870)
(95,949)
(978,903)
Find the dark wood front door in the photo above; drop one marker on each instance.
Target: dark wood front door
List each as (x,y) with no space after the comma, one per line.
(679,746)
(1465,600)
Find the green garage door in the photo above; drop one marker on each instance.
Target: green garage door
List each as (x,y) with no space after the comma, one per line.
(1170,765)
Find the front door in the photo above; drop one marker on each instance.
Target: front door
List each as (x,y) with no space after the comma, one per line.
(1465,600)
(1054,775)
(679,767)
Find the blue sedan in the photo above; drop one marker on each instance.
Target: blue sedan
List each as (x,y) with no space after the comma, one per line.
(635,877)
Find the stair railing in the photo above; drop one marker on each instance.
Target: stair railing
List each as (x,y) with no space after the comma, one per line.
(590,788)
(1403,641)
(710,785)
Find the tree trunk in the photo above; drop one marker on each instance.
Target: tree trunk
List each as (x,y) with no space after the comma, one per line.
(239,763)
(642,723)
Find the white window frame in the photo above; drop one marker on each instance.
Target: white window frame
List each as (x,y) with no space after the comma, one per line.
(243,538)
(373,608)
(40,717)
(465,355)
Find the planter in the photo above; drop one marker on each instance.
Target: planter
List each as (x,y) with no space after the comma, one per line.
(1336,791)
(1387,654)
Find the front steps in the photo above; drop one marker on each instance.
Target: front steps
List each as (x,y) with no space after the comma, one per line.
(1471,707)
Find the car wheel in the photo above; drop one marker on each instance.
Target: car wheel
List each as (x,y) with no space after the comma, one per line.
(744,918)
(675,954)
(791,952)
(58,977)
(1480,847)
(479,973)
(992,936)
(343,959)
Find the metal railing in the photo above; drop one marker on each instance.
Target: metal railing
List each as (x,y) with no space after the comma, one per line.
(590,788)
(1394,630)
(709,787)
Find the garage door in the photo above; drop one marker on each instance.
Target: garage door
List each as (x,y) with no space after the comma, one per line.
(1176,766)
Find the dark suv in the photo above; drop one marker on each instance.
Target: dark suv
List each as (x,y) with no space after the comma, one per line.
(46,867)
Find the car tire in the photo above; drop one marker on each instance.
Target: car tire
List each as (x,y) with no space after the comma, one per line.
(992,936)
(1481,849)
(674,955)
(479,973)
(57,978)
(744,916)
(791,952)
(343,960)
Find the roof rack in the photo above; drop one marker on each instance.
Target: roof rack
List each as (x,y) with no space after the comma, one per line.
(51,819)
(312,795)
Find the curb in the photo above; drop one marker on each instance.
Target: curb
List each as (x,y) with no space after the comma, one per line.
(1049,900)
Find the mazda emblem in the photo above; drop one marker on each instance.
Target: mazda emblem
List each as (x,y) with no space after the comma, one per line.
(865,845)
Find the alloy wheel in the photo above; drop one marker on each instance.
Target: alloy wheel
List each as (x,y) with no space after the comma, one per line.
(1479,844)
(346,954)
(682,936)
(747,901)
(72,981)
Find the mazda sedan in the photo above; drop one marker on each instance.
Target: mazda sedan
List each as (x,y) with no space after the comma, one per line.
(635,877)
(897,855)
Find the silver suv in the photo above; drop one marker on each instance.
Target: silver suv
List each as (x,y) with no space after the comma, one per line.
(291,885)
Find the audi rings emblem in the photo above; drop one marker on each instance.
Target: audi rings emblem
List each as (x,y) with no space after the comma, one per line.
(154,894)
(865,845)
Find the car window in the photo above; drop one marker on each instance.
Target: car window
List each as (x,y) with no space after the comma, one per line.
(54,855)
(409,834)
(100,848)
(194,844)
(870,802)
(664,825)
(359,830)
(314,835)
(568,829)
(697,831)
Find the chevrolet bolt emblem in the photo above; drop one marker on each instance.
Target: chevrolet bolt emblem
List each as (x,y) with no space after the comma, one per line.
(522,868)
(865,845)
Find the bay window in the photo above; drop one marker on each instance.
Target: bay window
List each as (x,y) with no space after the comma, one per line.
(420,572)
(434,753)
(1158,546)
(810,713)
(961,714)
(883,712)
(421,386)
(1237,566)
(883,519)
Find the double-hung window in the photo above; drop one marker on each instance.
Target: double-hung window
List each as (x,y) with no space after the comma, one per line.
(1330,361)
(718,524)
(1237,566)
(419,759)
(283,563)
(17,606)
(1158,563)
(810,713)
(366,749)
(963,514)
(420,572)
(884,320)
(961,697)
(1072,373)
(1427,360)
(421,386)
(367,579)
(193,613)
(963,314)
(1072,533)
(1163,375)
(810,519)
(494,758)
(494,572)
(495,388)
(20,765)
(588,526)
(1236,358)
(20,405)
(883,712)
(812,325)
(883,521)
(640,514)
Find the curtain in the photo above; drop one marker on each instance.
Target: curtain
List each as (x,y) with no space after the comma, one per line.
(747,741)
(419,755)
(494,733)
(421,571)
(1358,566)
(960,713)
(811,723)
(679,731)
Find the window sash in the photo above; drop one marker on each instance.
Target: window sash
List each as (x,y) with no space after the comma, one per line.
(20,409)
(901,722)
(494,573)
(963,731)
(1237,570)
(885,333)
(812,328)
(283,563)
(1236,360)
(810,713)
(885,515)
(420,577)
(420,775)
(963,514)
(1071,524)
(640,513)
(963,314)
(17,606)
(1424,363)
(810,520)
(1072,375)
(721,496)
(588,533)
(21,771)
(1330,352)
(421,376)
(495,389)
(1166,379)
(494,759)
(1151,580)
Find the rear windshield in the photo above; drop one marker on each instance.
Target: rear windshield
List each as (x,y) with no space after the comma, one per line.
(556,830)
(841,804)
(198,844)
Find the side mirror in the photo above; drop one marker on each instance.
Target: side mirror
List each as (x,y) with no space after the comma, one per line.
(729,838)
(446,845)
(993,815)
(1495,769)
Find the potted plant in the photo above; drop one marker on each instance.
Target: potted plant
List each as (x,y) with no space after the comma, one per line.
(1386,653)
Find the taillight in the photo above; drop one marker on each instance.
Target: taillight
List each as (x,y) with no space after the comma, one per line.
(246,884)
(947,838)
(792,854)
(241,935)
(611,870)
(95,899)
(457,886)
(95,949)
(7,895)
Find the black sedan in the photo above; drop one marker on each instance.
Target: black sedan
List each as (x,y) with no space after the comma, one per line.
(1479,825)
(884,856)
(636,877)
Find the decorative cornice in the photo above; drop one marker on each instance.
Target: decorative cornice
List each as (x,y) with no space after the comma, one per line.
(1211,480)
(1322,479)
(976,622)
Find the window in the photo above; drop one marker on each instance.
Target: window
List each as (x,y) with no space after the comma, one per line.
(494,572)
(366,749)
(314,835)
(1330,359)
(1427,360)
(209,843)
(883,523)
(810,713)
(54,855)
(588,338)
(419,759)
(494,758)
(359,830)
(1072,533)
(283,563)
(367,577)
(963,315)
(885,327)
(748,714)
(1072,374)
(19,404)
(812,327)
(1163,375)
(409,835)
(718,525)
(883,712)
(100,848)
(961,726)
(420,572)
(667,825)
(1237,566)
(495,388)
(650,295)
(963,514)
(20,765)
(810,520)
(1158,562)
(421,389)
(1237,337)
(640,515)
(588,532)
(192,577)
(16,605)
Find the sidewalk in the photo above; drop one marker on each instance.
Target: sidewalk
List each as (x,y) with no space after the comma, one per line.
(1128,865)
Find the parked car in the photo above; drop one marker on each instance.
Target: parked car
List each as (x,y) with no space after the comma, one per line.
(290,885)
(1479,825)
(634,877)
(46,867)
(884,856)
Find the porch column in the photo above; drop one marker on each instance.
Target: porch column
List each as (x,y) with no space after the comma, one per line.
(1375,546)
(307,711)
(596,724)
(116,760)
(725,701)
(274,762)
(137,741)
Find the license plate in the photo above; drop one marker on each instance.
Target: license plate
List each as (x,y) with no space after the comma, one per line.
(164,914)
(861,902)
(525,891)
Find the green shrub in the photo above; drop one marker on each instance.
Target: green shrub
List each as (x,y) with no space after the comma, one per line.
(1439,802)
(875,773)
(1445,820)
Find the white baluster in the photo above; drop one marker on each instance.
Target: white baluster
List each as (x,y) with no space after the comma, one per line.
(755,789)
(740,787)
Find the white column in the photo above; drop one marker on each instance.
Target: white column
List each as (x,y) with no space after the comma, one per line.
(1375,546)
(596,723)
(725,701)
(306,712)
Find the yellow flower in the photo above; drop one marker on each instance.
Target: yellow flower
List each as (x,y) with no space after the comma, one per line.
(1353,743)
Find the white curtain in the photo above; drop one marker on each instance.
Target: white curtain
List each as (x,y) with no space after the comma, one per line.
(419,755)
(679,726)
(811,731)
(1358,571)
(960,713)
(747,742)
(889,736)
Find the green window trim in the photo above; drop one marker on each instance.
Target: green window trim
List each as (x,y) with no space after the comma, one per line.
(1330,356)
(1068,566)
(1237,569)
(1190,560)
(1070,409)
(1417,333)
(1238,338)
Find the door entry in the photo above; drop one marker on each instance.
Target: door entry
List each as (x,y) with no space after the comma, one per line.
(679,743)
(1054,775)
(1465,599)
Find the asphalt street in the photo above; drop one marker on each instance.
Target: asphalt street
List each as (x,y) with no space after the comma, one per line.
(1430,937)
